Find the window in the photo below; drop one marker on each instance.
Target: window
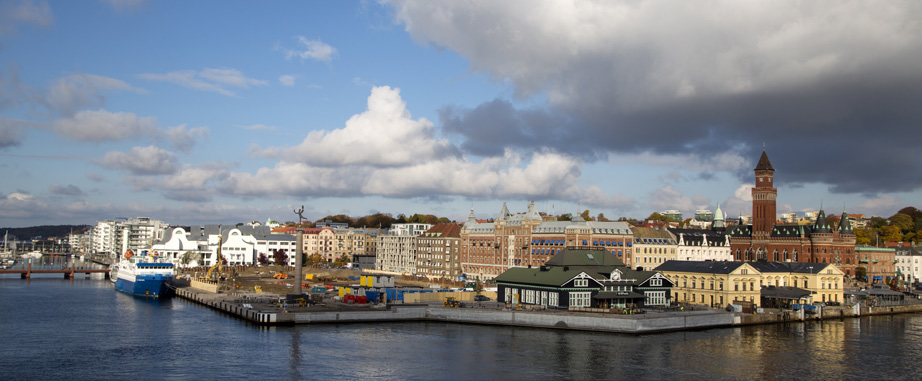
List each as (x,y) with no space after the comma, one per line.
(552,299)
(656,282)
(580,299)
(736,286)
(581,283)
(655,298)
(721,285)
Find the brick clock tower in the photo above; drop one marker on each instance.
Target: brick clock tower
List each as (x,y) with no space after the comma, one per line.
(764,196)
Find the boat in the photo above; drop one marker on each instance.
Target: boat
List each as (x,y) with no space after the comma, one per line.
(144,275)
(32,254)
(113,272)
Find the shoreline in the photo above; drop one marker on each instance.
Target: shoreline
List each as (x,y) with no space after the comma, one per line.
(259,313)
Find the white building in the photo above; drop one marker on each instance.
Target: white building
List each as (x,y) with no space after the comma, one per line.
(397,248)
(702,245)
(240,245)
(908,260)
(118,236)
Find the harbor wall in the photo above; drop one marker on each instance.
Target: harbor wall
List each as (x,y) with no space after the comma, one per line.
(645,323)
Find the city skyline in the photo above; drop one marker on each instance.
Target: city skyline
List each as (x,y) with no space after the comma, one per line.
(212,112)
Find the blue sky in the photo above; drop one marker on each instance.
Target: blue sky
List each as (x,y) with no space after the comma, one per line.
(216,112)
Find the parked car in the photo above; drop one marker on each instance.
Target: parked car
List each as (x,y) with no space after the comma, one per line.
(481,298)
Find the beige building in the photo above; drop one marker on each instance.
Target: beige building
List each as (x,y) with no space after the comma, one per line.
(438,252)
(721,283)
(652,247)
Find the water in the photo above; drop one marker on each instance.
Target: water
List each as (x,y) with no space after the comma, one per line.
(51,328)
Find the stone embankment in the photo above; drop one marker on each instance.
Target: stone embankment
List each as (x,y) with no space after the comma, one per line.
(262,309)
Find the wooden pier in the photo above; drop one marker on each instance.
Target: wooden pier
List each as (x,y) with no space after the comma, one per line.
(68,273)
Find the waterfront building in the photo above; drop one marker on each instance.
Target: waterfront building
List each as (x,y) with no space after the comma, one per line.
(240,245)
(583,278)
(652,247)
(701,245)
(118,236)
(528,239)
(721,283)
(438,252)
(767,240)
(908,259)
(879,263)
(397,248)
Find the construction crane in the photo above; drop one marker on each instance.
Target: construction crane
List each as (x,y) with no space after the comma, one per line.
(215,270)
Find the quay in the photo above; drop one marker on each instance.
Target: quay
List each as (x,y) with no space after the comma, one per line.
(26,273)
(258,309)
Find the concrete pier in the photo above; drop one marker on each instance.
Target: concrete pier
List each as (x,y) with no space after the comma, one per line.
(261,312)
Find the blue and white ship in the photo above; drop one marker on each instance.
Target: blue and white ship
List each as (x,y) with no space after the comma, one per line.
(144,276)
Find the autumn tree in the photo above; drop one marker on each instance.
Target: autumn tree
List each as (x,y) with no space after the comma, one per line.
(263,260)
(601,218)
(280,257)
(585,215)
(659,217)
(341,261)
(863,237)
(903,222)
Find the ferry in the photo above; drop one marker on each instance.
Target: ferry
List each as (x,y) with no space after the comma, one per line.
(144,275)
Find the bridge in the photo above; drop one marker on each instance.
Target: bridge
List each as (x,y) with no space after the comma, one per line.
(26,273)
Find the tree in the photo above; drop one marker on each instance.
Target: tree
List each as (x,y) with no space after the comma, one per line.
(890,234)
(903,222)
(659,217)
(833,221)
(861,273)
(601,218)
(263,260)
(280,257)
(877,222)
(915,214)
(341,261)
(585,215)
(565,217)
(863,237)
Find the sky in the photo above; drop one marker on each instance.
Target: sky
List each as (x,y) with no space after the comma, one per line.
(235,111)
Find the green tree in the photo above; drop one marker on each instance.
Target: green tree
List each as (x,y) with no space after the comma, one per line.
(903,222)
(877,222)
(861,273)
(659,217)
(565,217)
(341,261)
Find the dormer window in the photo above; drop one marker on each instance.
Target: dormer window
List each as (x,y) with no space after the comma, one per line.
(581,283)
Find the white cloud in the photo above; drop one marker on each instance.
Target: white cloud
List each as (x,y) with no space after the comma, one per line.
(102,125)
(184,139)
(384,135)
(740,202)
(18,205)
(216,80)
(882,205)
(287,80)
(148,160)
(729,161)
(78,91)
(668,197)
(16,13)
(664,50)
(311,49)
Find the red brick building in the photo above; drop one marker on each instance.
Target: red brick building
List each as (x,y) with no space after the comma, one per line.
(768,240)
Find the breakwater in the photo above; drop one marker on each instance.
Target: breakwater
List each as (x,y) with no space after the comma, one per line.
(264,312)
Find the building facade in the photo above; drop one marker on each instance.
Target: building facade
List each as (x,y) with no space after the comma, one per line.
(880,263)
(766,240)
(438,252)
(397,249)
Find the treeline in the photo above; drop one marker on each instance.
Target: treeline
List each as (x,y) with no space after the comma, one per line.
(44,231)
(904,226)
(377,220)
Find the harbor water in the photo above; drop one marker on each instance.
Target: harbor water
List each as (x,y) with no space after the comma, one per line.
(52,328)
